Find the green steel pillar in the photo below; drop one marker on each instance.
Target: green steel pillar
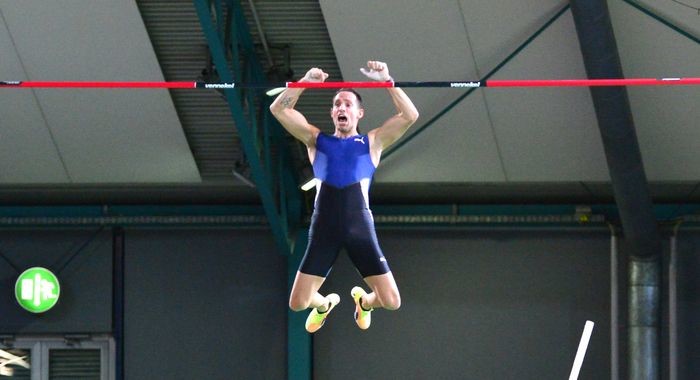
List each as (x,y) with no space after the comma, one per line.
(299,344)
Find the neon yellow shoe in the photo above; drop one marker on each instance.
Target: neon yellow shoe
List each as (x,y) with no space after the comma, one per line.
(316,319)
(363,317)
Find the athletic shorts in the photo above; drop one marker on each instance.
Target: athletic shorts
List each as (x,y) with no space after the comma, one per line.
(340,220)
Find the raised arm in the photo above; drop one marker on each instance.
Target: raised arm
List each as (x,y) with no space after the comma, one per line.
(292,120)
(406,113)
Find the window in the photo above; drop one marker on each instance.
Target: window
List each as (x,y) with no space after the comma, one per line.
(15,363)
(57,358)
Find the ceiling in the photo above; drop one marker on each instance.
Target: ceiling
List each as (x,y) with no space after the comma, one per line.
(505,145)
(85,136)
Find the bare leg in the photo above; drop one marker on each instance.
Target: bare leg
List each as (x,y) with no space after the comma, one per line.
(305,293)
(385,292)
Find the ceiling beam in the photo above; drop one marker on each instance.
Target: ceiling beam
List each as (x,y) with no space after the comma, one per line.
(663,20)
(234,57)
(630,186)
(491,73)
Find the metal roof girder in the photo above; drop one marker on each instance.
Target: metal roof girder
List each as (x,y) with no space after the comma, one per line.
(261,178)
(493,71)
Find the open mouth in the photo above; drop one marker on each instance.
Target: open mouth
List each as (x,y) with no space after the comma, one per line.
(342,119)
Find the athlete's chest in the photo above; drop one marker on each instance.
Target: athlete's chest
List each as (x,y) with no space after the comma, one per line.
(343,148)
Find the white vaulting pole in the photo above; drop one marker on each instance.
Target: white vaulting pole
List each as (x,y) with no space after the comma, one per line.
(582,347)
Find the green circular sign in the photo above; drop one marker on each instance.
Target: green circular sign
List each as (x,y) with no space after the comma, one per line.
(37,290)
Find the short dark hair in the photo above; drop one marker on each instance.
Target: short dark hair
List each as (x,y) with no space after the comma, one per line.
(357,94)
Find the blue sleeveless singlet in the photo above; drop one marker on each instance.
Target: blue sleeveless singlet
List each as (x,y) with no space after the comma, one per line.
(342,162)
(341,217)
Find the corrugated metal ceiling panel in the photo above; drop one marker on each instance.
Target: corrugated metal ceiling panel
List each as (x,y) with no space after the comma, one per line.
(301,26)
(182,50)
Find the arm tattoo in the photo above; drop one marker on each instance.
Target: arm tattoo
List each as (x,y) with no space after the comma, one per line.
(287,102)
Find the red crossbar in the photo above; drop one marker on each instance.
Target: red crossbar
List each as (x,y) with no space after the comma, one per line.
(425,84)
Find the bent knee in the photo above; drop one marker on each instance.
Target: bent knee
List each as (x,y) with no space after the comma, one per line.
(391,301)
(298,303)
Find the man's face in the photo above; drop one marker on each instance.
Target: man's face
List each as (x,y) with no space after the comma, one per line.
(346,112)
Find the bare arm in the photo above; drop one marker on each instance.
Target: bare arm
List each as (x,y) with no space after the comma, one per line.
(406,113)
(397,125)
(292,120)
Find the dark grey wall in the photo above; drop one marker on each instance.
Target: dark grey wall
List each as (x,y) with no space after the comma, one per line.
(688,304)
(212,303)
(476,305)
(204,304)
(85,303)
(199,303)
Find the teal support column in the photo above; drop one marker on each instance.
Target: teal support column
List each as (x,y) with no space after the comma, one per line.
(299,344)
(275,183)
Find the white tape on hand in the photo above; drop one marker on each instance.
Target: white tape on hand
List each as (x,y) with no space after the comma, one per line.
(381,76)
